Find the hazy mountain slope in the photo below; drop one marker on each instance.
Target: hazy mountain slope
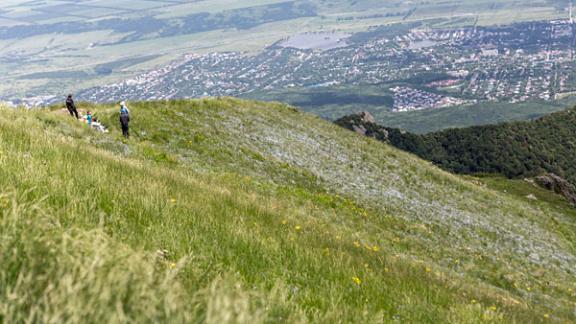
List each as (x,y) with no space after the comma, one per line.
(518,149)
(267,214)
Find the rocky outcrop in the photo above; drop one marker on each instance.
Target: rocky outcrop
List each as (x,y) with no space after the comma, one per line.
(367,117)
(364,124)
(558,185)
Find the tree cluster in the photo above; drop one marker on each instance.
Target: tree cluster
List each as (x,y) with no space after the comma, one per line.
(516,149)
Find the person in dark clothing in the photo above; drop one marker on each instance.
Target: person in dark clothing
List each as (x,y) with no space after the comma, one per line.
(124,119)
(71,107)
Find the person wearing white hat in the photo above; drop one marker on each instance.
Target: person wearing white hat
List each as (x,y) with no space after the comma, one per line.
(124,119)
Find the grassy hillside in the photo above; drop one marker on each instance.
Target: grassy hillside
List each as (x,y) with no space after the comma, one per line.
(236,211)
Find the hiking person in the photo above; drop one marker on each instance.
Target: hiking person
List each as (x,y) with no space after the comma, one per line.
(89,118)
(124,119)
(71,107)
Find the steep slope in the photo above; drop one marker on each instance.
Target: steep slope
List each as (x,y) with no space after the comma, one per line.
(236,211)
(518,149)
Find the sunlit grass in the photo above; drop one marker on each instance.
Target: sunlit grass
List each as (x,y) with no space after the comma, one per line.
(191,220)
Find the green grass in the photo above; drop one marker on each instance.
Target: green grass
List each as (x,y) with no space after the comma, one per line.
(522,189)
(267,214)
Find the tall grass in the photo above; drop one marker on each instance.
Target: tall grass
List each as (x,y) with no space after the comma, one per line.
(53,274)
(188,221)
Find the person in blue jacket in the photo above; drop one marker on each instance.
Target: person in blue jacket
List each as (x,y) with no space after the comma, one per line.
(124,119)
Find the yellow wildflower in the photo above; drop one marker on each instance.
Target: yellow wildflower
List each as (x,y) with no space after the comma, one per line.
(493,308)
(375,248)
(357,244)
(284,222)
(357,281)
(428,269)
(297,227)
(546,316)
(474,301)
(172,200)
(172,265)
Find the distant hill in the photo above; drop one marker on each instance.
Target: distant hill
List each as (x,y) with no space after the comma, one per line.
(335,102)
(230,211)
(515,149)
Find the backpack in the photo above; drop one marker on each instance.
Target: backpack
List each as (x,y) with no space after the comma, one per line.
(123,110)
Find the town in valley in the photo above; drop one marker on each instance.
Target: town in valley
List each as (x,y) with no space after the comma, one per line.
(417,67)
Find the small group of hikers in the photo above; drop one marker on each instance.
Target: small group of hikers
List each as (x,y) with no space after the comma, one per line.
(124,115)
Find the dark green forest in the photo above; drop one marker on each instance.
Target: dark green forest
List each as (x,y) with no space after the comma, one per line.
(515,149)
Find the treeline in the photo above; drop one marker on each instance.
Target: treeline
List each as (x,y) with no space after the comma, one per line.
(517,149)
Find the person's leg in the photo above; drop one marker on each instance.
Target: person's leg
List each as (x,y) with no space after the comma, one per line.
(71,112)
(76,113)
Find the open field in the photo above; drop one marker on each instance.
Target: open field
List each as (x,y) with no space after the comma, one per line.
(478,114)
(333,103)
(45,40)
